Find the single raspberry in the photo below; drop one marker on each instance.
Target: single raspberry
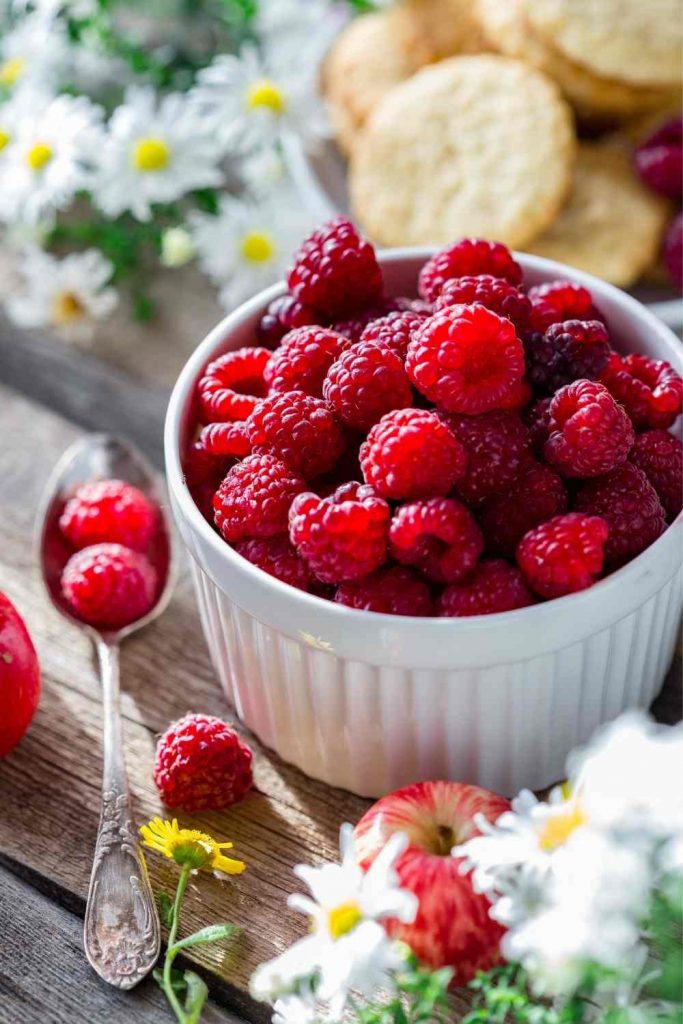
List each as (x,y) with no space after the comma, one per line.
(232,385)
(497,444)
(537,418)
(672,250)
(466,359)
(303,359)
(660,456)
(563,555)
(392,591)
(254,498)
(411,453)
(298,428)
(628,503)
(659,159)
(439,537)
(467,258)
(394,330)
(649,389)
(203,495)
(201,764)
(277,557)
(282,315)
(353,327)
(590,433)
(335,270)
(229,440)
(555,301)
(366,382)
(568,351)
(495,293)
(536,495)
(109,510)
(493,586)
(109,585)
(201,466)
(19,677)
(343,537)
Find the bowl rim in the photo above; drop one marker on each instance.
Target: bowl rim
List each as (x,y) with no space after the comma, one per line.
(531,617)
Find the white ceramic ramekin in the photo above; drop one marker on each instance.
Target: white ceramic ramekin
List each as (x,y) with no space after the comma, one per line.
(371,702)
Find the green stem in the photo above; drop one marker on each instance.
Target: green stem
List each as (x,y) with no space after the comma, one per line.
(171,953)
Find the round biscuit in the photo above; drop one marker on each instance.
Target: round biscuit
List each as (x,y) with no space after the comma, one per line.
(445,27)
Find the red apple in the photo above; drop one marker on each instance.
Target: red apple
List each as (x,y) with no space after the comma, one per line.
(19,677)
(452,927)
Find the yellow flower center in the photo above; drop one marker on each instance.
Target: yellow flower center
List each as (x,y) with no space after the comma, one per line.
(4,139)
(12,70)
(560,826)
(257,247)
(265,93)
(39,156)
(344,918)
(151,155)
(66,307)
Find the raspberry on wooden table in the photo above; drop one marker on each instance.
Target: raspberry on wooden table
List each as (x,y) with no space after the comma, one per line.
(109,585)
(394,330)
(232,385)
(300,429)
(282,315)
(393,591)
(536,495)
(568,351)
(628,503)
(660,456)
(590,433)
(109,510)
(495,293)
(303,358)
(366,382)
(556,301)
(335,270)
(466,359)
(229,440)
(497,444)
(254,498)
(563,555)
(201,764)
(439,537)
(659,159)
(649,389)
(493,586)
(411,453)
(277,557)
(342,537)
(467,258)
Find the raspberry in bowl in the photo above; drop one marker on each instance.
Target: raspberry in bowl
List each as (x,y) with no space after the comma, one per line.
(412,616)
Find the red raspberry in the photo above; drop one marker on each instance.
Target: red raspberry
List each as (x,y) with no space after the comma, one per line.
(366,382)
(493,586)
(277,557)
(497,444)
(353,327)
(109,510)
(201,466)
(467,258)
(336,270)
(496,294)
(394,330)
(229,440)
(392,591)
(660,456)
(659,159)
(673,250)
(555,301)
(466,359)
(254,498)
(411,453)
(628,502)
(343,537)
(303,359)
(438,536)
(232,385)
(536,495)
(563,555)
(537,418)
(282,315)
(650,390)
(590,433)
(568,351)
(19,677)
(298,428)
(201,764)
(109,586)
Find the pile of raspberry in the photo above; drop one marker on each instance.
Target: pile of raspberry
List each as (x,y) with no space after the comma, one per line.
(475,450)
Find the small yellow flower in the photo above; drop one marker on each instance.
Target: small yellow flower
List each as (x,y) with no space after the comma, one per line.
(266,93)
(257,247)
(39,156)
(151,154)
(12,70)
(188,846)
(560,826)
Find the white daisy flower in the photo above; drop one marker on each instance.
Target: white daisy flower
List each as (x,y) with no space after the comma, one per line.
(46,161)
(67,294)
(34,53)
(153,152)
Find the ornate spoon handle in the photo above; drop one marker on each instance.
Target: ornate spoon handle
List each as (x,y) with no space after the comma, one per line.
(121,933)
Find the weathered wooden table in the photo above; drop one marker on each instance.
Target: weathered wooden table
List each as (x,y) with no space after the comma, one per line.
(50,784)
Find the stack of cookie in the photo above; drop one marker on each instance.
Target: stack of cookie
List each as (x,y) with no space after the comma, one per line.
(460,118)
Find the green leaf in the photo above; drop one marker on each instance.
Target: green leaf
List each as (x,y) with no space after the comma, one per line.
(165,908)
(212,933)
(178,983)
(197,993)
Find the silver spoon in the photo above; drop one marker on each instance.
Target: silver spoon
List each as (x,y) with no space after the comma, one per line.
(121,932)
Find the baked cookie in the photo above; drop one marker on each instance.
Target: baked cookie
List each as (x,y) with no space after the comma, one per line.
(612,225)
(446,28)
(637,41)
(506,29)
(479,146)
